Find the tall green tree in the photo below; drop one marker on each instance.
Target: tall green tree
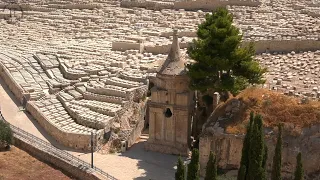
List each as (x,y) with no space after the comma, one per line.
(193,166)
(221,64)
(298,174)
(277,158)
(254,152)
(244,164)
(211,169)
(180,170)
(265,158)
(257,152)
(6,135)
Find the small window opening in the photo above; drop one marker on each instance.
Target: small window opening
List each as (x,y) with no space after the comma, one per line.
(168,113)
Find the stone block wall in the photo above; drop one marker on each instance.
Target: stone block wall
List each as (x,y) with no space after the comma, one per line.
(228,149)
(71,75)
(260,46)
(80,119)
(104,91)
(188,5)
(140,92)
(147,4)
(13,86)
(136,132)
(183,33)
(75,6)
(285,45)
(123,46)
(102,98)
(167,148)
(74,140)
(131,78)
(162,49)
(212,4)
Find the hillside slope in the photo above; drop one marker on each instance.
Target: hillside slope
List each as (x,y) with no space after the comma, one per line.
(274,107)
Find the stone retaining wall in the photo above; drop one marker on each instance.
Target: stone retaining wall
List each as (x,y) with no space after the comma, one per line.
(260,46)
(285,45)
(123,46)
(75,6)
(103,98)
(136,132)
(11,83)
(162,49)
(212,4)
(228,149)
(71,75)
(74,140)
(187,5)
(147,4)
(104,91)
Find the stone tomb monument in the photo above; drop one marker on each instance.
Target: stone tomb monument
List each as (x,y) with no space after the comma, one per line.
(171,106)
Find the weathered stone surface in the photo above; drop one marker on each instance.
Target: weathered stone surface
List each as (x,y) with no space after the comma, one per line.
(228,149)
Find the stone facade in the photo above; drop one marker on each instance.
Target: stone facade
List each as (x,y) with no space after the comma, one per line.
(228,148)
(170,108)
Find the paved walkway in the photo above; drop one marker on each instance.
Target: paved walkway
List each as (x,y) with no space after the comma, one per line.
(136,163)
(10,110)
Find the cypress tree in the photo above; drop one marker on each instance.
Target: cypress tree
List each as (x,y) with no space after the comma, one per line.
(265,157)
(180,170)
(211,169)
(276,166)
(193,167)
(244,164)
(257,151)
(298,174)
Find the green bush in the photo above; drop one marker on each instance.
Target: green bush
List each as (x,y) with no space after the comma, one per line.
(180,173)
(6,135)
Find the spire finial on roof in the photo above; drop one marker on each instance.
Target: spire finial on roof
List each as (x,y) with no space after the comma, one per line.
(174,64)
(174,53)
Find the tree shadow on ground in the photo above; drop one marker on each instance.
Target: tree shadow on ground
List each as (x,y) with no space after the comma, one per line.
(157,166)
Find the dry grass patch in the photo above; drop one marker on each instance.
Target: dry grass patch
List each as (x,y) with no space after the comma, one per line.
(17,164)
(275,108)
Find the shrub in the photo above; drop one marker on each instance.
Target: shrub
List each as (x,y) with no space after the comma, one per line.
(6,135)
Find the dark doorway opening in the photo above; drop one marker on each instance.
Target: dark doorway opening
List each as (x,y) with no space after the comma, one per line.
(168,113)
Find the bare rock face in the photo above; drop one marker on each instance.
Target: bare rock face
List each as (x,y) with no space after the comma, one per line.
(228,149)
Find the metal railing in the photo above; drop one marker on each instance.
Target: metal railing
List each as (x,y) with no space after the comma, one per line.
(49,148)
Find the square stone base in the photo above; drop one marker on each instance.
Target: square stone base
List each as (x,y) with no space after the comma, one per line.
(182,151)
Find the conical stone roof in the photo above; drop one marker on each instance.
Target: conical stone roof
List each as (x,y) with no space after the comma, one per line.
(175,63)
